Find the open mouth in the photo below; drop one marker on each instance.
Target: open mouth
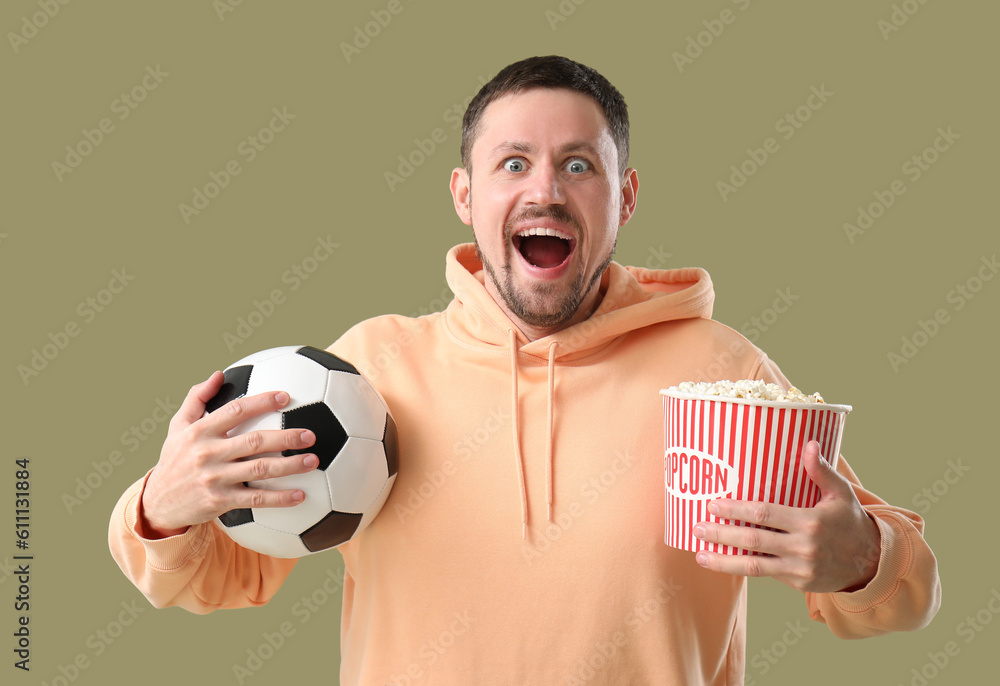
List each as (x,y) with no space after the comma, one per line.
(544,248)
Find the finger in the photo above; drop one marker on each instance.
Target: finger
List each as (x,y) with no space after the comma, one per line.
(770,515)
(235,412)
(741,565)
(743,537)
(265,441)
(193,407)
(269,468)
(262,468)
(830,483)
(247,497)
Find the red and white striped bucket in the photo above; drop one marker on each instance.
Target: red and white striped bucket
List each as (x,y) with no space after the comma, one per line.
(738,448)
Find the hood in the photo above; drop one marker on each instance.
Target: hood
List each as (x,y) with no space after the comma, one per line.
(631,298)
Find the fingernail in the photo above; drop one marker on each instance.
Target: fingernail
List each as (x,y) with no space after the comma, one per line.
(713,508)
(310,461)
(701,558)
(298,496)
(699,530)
(306,436)
(281,397)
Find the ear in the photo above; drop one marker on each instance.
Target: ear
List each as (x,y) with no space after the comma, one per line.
(460,193)
(630,190)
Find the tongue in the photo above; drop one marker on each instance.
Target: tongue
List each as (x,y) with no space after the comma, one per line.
(544,251)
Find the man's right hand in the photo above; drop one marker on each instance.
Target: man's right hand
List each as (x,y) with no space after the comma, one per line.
(201,470)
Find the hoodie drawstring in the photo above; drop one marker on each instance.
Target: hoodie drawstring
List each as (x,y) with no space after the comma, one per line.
(518,457)
(548,430)
(517,438)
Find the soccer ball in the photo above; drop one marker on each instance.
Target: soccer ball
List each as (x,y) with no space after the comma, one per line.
(355,442)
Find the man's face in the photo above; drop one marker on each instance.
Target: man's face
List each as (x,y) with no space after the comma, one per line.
(545,202)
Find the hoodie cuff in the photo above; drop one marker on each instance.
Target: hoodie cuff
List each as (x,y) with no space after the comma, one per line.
(163,553)
(895,559)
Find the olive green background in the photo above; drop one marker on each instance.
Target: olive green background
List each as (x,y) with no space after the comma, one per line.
(323,177)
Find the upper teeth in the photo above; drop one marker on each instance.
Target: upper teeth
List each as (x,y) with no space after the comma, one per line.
(540,231)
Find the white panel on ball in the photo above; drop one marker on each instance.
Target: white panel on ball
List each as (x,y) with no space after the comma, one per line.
(373,510)
(297,518)
(265,422)
(357,475)
(359,408)
(266,355)
(264,540)
(294,374)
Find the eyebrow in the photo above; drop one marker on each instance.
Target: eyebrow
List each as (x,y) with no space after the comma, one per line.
(527,148)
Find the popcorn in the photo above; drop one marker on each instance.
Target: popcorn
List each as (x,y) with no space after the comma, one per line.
(755,389)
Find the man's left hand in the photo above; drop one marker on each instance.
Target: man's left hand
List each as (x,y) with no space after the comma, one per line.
(833,546)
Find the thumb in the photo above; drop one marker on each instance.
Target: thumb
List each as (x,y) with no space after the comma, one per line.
(830,483)
(193,407)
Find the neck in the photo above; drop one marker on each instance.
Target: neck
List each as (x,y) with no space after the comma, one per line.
(533,333)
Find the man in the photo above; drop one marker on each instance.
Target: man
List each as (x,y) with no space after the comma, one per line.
(523,539)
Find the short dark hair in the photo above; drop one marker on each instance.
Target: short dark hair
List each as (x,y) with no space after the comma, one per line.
(551,71)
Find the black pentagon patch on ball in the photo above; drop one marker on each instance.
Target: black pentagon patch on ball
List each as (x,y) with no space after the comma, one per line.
(318,418)
(333,529)
(390,443)
(328,360)
(235,384)
(237,517)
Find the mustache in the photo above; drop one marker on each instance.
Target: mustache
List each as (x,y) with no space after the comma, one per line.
(556,212)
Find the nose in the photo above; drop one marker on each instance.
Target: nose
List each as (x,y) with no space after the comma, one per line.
(545,186)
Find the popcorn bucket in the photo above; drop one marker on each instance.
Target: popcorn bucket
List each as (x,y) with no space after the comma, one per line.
(745,449)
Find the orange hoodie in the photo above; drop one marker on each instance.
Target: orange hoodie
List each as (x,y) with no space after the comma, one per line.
(522,542)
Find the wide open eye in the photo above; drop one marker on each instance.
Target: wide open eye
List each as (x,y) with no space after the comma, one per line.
(578,166)
(514,164)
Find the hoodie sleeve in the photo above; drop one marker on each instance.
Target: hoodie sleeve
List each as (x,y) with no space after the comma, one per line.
(200,570)
(905,593)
